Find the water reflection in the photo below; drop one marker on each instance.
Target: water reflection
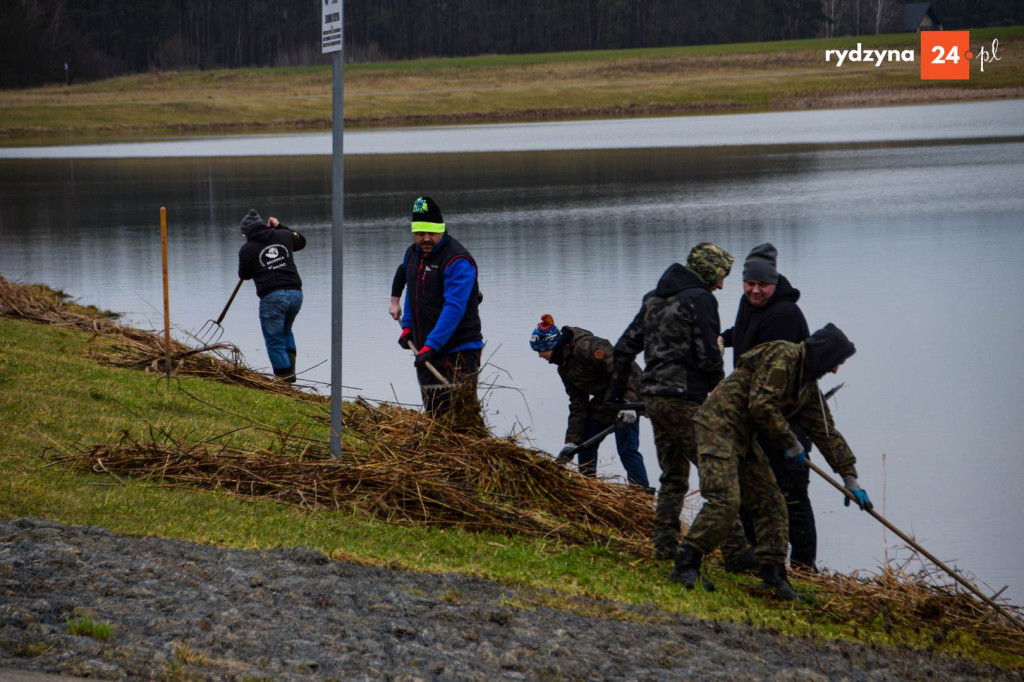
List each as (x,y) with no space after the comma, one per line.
(914,251)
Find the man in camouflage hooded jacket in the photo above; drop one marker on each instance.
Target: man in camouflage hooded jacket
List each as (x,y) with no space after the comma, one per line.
(677,329)
(774,385)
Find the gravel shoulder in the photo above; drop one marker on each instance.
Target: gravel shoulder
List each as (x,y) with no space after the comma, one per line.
(181,611)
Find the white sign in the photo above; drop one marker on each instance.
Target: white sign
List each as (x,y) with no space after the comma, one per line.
(330,39)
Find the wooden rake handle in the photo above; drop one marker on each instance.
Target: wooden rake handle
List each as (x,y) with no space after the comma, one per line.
(433,370)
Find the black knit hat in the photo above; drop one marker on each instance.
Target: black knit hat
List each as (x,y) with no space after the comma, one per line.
(760,264)
(250,221)
(426,216)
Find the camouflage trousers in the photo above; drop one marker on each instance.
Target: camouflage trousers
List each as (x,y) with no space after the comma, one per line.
(730,480)
(675,441)
(455,404)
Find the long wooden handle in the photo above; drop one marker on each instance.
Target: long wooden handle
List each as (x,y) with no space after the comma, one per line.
(910,541)
(433,370)
(230,300)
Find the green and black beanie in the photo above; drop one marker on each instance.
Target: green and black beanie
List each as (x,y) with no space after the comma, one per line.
(426,216)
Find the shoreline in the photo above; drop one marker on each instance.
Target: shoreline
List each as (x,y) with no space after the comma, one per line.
(709,79)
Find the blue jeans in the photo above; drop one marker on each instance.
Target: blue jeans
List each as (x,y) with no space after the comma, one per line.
(627,442)
(277,313)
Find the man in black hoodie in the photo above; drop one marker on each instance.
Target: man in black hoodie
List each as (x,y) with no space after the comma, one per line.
(774,384)
(768,311)
(267,258)
(677,330)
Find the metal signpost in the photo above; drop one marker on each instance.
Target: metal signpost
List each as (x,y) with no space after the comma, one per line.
(331,41)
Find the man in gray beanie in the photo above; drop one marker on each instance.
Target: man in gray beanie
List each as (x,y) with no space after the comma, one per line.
(768,311)
(267,258)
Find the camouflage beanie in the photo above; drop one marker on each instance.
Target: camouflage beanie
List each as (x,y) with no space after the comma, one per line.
(712,263)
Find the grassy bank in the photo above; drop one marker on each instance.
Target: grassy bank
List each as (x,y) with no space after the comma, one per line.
(57,399)
(747,77)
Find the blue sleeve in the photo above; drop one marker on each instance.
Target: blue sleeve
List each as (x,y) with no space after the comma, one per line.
(459,277)
(407,308)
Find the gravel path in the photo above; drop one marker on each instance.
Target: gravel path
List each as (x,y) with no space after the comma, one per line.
(181,611)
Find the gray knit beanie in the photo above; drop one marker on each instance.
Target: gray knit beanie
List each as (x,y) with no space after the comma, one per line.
(760,264)
(250,221)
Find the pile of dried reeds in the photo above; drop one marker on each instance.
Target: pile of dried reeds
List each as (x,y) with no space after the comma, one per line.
(125,346)
(40,303)
(405,468)
(923,601)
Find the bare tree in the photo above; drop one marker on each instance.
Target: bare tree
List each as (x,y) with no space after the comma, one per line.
(888,15)
(833,11)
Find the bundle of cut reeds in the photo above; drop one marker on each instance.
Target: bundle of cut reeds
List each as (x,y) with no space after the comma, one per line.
(403,467)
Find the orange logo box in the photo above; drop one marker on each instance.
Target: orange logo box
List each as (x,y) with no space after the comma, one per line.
(946,55)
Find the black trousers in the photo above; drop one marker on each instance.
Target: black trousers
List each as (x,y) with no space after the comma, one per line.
(794,480)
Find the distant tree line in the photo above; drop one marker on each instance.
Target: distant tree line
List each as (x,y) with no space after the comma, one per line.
(103,38)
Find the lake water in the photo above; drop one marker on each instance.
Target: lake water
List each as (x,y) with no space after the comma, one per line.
(911,242)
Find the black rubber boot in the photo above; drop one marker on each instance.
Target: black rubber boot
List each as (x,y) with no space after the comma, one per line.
(687,570)
(773,579)
(743,563)
(291,377)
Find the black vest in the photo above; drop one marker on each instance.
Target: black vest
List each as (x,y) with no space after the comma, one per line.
(425,278)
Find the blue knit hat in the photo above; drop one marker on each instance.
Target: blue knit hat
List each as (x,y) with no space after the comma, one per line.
(546,335)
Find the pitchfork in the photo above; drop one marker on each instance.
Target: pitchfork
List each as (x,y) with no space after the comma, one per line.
(211,332)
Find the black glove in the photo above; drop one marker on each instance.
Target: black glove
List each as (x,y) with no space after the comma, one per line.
(426,353)
(405,338)
(615,402)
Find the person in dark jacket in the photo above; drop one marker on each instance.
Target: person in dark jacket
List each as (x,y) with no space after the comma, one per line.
(769,311)
(442,318)
(268,258)
(584,364)
(773,385)
(677,330)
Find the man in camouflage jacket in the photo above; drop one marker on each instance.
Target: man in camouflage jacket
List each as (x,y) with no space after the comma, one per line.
(584,364)
(774,385)
(677,329)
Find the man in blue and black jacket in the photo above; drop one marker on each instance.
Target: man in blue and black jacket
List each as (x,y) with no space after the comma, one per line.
(442,319)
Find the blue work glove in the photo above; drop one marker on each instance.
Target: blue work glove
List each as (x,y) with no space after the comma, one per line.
(426,353)
(403,340)
(853,486)
(797,454)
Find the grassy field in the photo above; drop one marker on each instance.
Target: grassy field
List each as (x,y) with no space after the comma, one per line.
(56,398)
(659,81)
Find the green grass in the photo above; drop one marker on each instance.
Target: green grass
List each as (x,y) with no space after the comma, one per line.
(87,627)
(54,398)
(569,85)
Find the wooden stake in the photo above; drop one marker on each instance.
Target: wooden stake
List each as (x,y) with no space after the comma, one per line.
(167,304)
